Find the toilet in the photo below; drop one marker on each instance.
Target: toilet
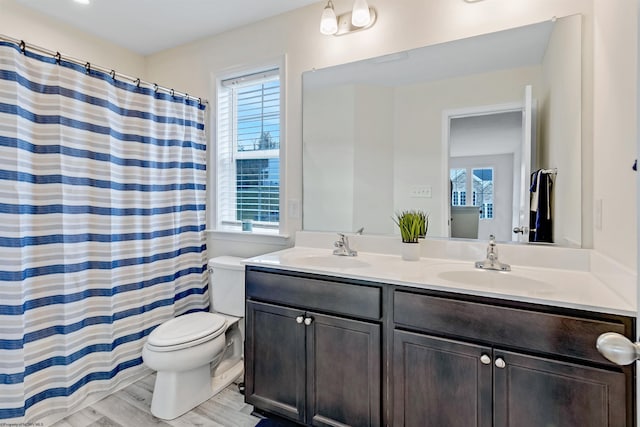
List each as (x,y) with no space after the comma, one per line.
(198,354)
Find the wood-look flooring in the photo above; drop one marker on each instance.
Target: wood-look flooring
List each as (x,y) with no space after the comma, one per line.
(129,407)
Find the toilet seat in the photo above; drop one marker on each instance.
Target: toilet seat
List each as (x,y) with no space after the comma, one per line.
(186,331)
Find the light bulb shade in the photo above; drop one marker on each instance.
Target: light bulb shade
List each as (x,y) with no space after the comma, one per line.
(328,21)
(360,16)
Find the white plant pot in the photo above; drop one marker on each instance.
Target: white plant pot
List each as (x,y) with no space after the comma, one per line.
(410,251)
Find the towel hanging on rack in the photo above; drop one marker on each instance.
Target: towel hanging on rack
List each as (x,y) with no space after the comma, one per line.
(541,215)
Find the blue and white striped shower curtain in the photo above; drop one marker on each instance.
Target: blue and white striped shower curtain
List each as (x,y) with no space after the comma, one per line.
(102,218)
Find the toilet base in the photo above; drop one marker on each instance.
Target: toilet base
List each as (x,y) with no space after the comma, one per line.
(183,391)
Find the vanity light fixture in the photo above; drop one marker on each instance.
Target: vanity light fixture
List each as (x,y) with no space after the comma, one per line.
(82,1)
(328,21)
(361,17)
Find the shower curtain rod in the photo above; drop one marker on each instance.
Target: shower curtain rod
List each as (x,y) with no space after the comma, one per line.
(137,81)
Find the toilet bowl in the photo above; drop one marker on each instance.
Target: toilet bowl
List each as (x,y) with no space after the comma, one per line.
(198,354)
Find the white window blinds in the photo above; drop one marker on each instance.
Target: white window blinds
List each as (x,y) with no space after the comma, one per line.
(248,144)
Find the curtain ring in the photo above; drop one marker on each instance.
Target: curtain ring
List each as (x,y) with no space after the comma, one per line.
(113,74)
(137,82)
(186,98)
(156,87)
(173,93)
(58,57)
(87,67)
(23,46)
(200,102)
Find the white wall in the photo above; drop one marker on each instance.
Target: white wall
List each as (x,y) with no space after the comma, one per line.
(561,146)
(329,144)
(486,134)
(348,150)
(372,169)
(35,28)
(614,129)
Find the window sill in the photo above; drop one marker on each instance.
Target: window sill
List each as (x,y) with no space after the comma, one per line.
(257,235)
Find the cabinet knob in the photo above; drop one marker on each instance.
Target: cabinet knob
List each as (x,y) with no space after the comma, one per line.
(500,363)
(618,348)
(299,319)
(308,320)
(485,359)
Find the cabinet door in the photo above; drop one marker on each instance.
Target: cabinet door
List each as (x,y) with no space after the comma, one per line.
(534,392)
(440,382)
(344,372)
(275,360)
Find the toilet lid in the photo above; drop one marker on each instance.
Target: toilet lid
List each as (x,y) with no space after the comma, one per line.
(187,328)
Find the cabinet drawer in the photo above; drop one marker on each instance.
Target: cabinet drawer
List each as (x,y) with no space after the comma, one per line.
(314,294)
(528,330)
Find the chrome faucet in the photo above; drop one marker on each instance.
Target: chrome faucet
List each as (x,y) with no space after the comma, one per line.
(491,262)
(342,247)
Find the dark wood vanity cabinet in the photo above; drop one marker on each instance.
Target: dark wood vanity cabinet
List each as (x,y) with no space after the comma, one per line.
(328,351)
(440,382)
(275,360)
(313,352)
(532,391)
(463,363)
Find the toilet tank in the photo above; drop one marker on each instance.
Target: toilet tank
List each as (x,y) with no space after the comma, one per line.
(226,285)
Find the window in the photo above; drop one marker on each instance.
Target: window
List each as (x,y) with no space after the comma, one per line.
(458,187)
(248,148)
(481,186)
(483,191)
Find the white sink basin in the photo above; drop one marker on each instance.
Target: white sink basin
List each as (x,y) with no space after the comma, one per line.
(494,279)
(333,261)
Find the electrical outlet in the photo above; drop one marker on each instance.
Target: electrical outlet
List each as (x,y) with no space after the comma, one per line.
(420,191)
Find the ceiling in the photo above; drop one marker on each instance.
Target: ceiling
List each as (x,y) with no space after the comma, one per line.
(149,26)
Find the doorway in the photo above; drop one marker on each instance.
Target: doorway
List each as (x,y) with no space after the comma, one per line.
(488,144)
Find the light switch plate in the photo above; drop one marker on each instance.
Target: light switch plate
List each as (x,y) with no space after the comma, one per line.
(597,214)
(420,191)
(294,208)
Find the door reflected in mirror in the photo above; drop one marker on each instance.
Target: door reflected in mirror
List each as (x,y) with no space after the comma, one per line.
(377,135)
(490,149)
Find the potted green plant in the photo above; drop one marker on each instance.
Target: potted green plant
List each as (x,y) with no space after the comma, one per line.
(413,225)
(423,220)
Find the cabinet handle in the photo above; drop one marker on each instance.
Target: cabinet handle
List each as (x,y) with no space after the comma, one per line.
(485,359)
(618,348)
(500,363)
(308,320)
(299,319)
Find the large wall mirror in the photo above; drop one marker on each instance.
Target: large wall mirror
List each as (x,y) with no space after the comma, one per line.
(435,127)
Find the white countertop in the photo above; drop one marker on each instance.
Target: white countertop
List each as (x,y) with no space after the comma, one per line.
(549,286)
